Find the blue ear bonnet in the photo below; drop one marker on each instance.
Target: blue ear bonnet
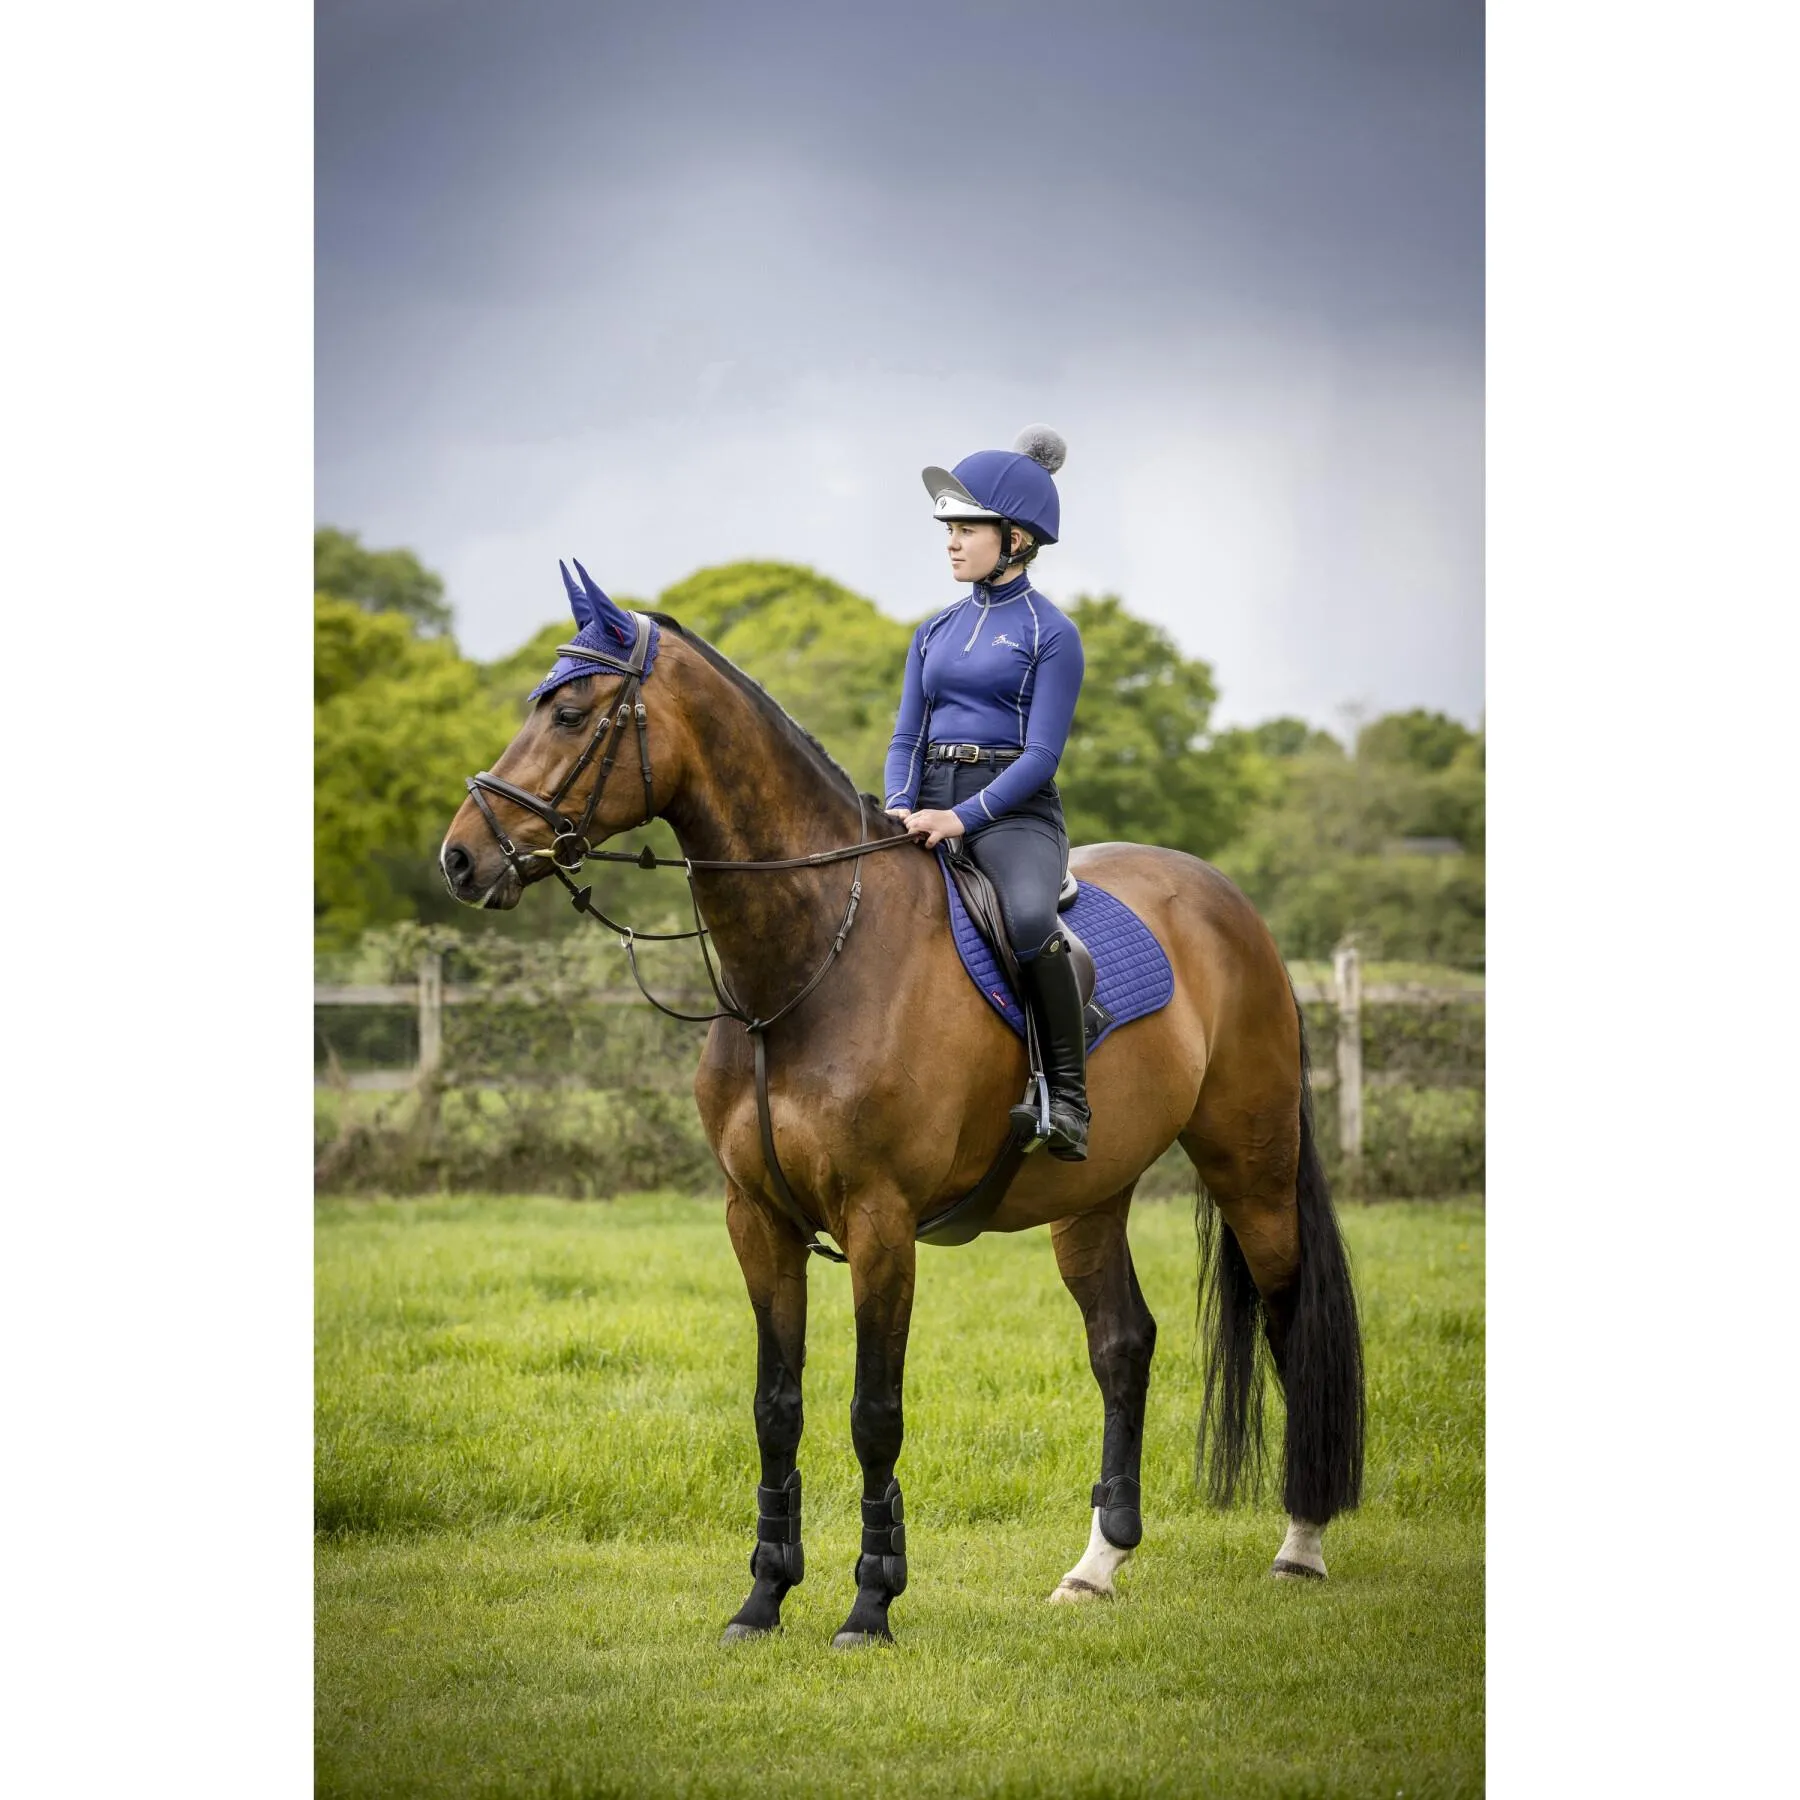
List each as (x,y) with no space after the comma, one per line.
(605,627)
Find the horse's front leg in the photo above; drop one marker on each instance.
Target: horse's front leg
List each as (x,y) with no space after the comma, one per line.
(774,1265)
(879,1242)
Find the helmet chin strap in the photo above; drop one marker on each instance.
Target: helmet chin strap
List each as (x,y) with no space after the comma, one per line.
(1008,556)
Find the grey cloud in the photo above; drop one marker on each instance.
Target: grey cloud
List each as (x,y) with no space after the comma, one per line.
(691,283)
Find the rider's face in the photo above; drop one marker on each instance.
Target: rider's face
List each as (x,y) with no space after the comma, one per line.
(974,548)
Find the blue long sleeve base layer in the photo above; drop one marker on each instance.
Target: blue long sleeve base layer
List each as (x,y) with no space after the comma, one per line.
(1001,668)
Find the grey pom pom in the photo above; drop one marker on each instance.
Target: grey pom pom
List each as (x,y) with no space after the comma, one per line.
(1042,445)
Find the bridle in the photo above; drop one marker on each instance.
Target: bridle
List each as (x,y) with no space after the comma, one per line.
(626,704)
(570,848)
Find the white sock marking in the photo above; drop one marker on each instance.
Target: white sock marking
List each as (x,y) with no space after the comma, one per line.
(1302,1545)
(1100,1562)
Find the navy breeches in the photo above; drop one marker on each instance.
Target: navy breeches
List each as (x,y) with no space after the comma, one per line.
(1024,854)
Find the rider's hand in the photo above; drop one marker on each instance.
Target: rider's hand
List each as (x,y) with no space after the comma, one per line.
(934,826)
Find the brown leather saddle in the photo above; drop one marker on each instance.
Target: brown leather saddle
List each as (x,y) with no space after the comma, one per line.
(983,903)
(964,1220)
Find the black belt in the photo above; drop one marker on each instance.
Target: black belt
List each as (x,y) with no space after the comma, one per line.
(971,753)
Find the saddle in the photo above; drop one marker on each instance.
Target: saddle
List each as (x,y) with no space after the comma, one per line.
(1135,980)
(965,1219)
(983,903)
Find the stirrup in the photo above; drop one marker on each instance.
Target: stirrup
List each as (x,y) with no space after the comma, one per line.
(1031,1117)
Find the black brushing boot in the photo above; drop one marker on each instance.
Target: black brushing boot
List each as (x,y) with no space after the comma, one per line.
(1055,1000)
(880,1572)
(777,1564)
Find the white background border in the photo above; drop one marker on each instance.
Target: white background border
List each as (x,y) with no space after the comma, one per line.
(1642,588)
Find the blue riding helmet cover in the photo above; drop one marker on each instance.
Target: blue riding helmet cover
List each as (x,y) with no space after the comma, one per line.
(1015,487)
(1011,484)
(605,627)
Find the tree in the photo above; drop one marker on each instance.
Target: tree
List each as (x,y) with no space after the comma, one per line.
(381,581)
(1419,739)
(830,656)
(398,722)
(1139,764)
(1332,846)
(1279,739)
(1324,843)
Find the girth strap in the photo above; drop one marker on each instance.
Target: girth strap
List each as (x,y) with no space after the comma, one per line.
(964,1220)
(961,1222)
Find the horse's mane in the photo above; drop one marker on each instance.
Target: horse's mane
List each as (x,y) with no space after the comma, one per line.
(766,703)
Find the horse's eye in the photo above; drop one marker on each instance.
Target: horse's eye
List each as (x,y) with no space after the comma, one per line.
(570,715)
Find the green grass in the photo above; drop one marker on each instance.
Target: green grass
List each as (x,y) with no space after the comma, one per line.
(534,1491)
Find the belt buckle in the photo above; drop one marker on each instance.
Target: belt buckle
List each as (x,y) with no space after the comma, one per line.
(968,753)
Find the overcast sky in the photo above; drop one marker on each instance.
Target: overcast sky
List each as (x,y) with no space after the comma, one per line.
(687,282)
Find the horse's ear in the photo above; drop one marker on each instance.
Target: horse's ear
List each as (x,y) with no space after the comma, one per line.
(614,618)
(578,601)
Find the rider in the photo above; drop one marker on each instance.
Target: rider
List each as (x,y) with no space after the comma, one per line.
(990,689)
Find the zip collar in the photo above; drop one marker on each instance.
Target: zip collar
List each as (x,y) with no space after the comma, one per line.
(986,596)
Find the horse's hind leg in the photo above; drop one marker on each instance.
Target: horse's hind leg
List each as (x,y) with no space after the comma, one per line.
(1095,1260)
(1278,1263)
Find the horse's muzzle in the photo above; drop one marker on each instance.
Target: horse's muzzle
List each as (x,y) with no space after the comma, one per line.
(495,886)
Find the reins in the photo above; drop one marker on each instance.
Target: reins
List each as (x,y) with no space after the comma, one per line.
(627,704)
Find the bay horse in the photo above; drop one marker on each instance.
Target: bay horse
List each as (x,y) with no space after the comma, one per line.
(888,1088)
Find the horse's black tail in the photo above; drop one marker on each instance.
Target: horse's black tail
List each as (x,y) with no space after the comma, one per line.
(1321,1362)
(1318,1352)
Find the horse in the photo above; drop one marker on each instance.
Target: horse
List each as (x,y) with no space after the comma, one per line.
(888,1084)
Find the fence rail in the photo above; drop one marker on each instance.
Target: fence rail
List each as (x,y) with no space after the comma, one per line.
(431,994)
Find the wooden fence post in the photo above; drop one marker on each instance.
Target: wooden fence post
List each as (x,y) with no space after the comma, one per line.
(1346,973)
(429,1081)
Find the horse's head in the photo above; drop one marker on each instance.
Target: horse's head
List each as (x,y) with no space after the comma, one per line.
(589,761)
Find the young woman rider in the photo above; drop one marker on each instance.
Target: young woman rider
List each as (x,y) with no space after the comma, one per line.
(990,690)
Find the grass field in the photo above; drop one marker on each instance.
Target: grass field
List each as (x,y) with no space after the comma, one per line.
(535,1469)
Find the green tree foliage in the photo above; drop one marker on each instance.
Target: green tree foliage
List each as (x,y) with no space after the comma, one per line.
(1139,764)
(1386,849)
(1417,739)
(390,581)
(398,721)
(831,657)
(1279,739)
(1325,843)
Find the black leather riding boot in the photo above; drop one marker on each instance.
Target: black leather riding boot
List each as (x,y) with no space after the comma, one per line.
(1056,1002)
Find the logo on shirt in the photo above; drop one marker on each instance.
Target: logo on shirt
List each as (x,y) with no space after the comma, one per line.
(1002,638)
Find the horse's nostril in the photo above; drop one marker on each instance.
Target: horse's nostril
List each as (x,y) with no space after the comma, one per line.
(458,863)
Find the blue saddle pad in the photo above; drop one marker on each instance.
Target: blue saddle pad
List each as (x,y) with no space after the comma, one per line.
(1132,976)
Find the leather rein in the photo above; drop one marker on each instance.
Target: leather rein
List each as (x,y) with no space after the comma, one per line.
(570,848)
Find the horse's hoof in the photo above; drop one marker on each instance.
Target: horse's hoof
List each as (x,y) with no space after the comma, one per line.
(1071,1590)
(1284,1570)
(861,1640)
(734,1633)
